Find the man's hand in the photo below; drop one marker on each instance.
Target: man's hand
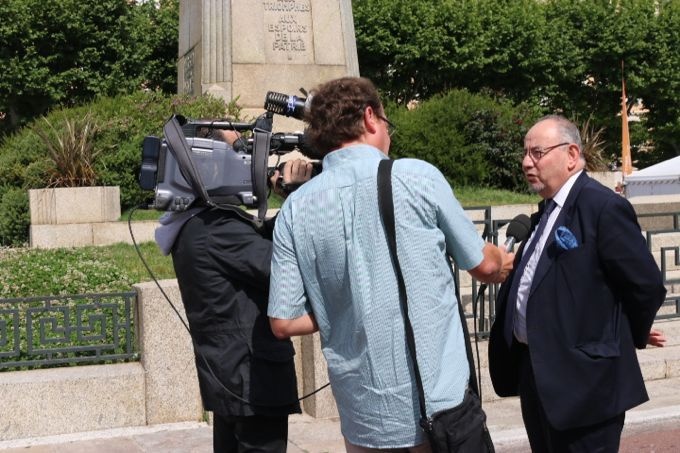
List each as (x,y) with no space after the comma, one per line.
(228,136)
(495,266)
(295,173)
(656,338)
(508,258)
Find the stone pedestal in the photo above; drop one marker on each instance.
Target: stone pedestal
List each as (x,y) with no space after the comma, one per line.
(69,205)
(241,49)
(80,216)
(171,387)
(315,375)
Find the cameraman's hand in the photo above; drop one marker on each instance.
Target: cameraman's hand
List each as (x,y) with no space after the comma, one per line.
(295,173)
(228,136)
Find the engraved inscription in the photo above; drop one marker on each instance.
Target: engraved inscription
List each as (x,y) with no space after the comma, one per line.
(188,85)
(288,26)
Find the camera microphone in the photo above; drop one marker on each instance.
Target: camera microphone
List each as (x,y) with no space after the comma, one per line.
(517,231)
(287,105)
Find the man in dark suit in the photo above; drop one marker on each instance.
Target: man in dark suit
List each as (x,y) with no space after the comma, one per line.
(583,295)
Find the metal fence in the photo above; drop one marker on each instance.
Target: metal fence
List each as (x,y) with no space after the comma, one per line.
(669,264)
(481,298)
(66,330)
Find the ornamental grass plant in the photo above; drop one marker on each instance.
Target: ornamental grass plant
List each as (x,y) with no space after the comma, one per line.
(71,150)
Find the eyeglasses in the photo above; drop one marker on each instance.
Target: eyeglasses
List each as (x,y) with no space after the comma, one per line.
(391,128)
(537,153)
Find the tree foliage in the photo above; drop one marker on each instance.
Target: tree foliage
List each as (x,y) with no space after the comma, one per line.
(661,89)
(67,52)
(564,55)
(474,139)
(415,49)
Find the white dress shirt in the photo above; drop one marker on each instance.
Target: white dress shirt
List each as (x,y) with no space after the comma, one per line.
(527,277)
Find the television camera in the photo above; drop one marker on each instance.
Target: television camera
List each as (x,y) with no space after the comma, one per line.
(189,166)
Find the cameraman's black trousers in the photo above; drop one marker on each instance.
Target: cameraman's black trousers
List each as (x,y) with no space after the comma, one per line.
(253,434)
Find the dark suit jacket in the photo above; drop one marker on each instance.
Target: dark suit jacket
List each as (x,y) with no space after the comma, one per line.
(588,309)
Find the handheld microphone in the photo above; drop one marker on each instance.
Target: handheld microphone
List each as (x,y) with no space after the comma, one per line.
(517,231)
(283,104)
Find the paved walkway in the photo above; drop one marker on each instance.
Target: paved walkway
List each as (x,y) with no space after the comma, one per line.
(652,427)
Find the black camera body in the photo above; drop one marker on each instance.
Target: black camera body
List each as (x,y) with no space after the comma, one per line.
(188,166)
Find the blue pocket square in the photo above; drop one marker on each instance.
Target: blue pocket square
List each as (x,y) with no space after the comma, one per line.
(565,239)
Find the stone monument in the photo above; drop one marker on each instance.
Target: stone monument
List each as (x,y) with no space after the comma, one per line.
(241,49)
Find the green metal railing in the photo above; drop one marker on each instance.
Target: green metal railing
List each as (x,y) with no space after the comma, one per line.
(51,331)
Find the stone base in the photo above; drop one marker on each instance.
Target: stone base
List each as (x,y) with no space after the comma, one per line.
(657,204)
(87,234)
(171,393)
(314,375)
(66,205)
(70,400)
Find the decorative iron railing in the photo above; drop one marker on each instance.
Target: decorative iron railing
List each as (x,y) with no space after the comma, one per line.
(66,330)
(669,263)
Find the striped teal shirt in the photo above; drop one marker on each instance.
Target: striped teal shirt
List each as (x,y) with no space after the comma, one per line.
(331,258)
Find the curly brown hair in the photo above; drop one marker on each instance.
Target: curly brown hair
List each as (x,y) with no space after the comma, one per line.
(335,115)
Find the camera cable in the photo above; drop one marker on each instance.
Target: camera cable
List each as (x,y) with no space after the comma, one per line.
(186,326)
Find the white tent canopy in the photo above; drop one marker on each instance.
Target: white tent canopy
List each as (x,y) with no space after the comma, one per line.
(659,179)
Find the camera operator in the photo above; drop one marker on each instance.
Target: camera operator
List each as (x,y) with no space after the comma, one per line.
(246,375)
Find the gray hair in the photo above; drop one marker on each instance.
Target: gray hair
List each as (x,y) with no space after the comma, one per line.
(567,131)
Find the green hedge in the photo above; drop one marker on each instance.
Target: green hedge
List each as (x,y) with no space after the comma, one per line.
(122,122)
(14,217)
(474,139)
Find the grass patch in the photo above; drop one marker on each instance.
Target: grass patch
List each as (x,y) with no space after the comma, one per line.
(475,196)
(34,272)
(141,214)
(127,258)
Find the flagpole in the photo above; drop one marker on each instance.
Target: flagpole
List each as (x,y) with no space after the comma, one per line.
(626,162)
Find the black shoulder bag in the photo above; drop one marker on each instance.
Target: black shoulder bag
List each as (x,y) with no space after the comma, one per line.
(458,429)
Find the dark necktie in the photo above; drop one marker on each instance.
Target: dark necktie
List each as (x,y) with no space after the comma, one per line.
(511,306)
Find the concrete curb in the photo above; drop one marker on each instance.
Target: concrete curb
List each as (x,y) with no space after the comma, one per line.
(104,434)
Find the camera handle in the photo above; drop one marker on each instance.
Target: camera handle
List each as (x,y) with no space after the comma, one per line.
(261,144)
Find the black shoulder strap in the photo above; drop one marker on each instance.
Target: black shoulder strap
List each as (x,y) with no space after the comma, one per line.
(386,207)
(180,148)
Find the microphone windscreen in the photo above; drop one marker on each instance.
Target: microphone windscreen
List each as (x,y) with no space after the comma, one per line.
(519,228)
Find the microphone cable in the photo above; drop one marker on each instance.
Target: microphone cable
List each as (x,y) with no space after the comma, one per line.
(475,305)
(186,326)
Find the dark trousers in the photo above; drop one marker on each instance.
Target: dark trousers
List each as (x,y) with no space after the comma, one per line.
(256,434)
(603,437)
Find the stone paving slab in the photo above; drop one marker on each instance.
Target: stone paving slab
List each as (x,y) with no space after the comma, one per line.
(661,415)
